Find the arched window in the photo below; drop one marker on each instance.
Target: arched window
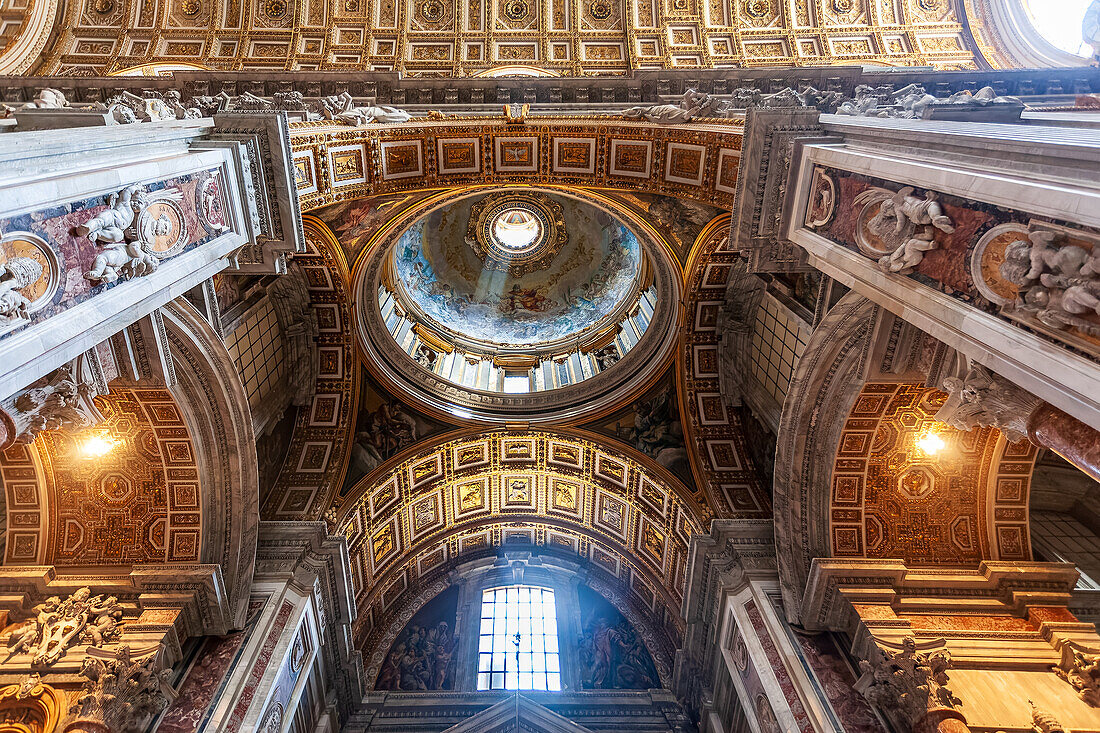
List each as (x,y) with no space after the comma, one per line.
(518,642)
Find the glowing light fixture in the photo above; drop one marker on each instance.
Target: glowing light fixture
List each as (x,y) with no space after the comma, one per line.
(930,443)
(97,445)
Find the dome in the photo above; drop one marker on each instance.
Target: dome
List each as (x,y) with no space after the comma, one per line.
(522,270)
(518,304)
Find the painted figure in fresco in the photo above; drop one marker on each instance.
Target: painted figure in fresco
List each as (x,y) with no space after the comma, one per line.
(420,660)
(524,299)
(388,429)
(656,431)
(612,656)
(524,310)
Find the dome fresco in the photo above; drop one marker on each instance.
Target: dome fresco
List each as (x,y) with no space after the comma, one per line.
(443,277)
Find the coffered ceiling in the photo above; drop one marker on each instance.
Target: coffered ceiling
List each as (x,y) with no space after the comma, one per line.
(551,37)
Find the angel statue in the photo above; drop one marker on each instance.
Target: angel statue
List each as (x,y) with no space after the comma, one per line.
(910,224)
(16,274)
(108,230)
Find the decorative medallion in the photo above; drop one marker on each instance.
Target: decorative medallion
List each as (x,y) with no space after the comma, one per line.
(516,9)
(757,8)
(29,275)
(103,7)
(928,5)
(600,9)
(878,234)
(432,10)
(162,226)
(986,261)
(516,233)
(822,200)
(843,6)
(351,6)
(191,7)
(274,8)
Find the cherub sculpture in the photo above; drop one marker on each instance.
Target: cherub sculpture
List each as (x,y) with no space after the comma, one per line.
(1057,282)
(108,230)
(908,223)
(16,274)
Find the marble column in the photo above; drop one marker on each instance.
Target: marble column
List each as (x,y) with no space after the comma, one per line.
(984,399)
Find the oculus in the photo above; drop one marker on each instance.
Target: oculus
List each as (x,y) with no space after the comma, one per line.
(517,233)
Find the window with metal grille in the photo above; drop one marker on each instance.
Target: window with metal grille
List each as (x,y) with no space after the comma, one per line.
(518,645)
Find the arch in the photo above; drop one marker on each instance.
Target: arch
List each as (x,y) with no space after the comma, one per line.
(855,479)
(825,384)
(722,466)
(697,161)
(468,489)
(1005,36)
(158,69)
(518,70)
(22,43)
(215,407)
(320,447)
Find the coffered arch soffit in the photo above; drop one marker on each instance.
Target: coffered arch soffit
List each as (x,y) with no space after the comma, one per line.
(565,488)
(320,446)
(179,486)
(450,39)
(338,162)
(852,477)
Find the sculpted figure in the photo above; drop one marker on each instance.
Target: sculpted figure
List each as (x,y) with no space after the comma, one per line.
(174,101)
(24,641)
(606,357)
(983,399)
(108,230)
(15,274)
(913,221)
(48,99)
(104,627)
(1057,282)
(342,107)
(693,104)
(56,400)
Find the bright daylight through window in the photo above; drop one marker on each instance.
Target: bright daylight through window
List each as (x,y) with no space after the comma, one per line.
(518,647)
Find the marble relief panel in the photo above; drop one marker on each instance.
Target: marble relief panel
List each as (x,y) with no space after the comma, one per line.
(973,262)
(47,236)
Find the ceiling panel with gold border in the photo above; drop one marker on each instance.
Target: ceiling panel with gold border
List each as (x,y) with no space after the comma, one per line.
(555,37)
(337,162)
(637,518)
